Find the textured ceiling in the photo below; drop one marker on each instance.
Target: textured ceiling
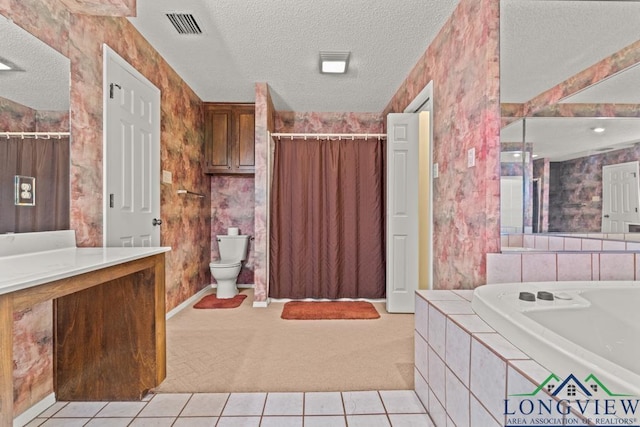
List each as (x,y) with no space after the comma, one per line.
(43,83)
(543,42)
(279,43)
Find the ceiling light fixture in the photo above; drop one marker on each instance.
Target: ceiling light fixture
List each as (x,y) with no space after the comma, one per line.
(334,62)
(598,129)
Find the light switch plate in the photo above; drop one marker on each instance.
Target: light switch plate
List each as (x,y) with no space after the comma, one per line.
(471,157)
(436,171)
(167,178)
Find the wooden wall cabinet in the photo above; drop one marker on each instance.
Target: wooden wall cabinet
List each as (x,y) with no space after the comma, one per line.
(229,138)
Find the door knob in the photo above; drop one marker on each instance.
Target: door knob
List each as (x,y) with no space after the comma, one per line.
(156,221)
(606,216)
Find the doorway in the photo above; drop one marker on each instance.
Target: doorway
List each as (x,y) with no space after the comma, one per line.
(131,155)
(620,197)
(409,203)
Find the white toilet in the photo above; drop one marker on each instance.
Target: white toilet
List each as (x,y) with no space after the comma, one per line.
(233,250)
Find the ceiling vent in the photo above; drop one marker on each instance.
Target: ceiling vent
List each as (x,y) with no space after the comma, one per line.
(184,23)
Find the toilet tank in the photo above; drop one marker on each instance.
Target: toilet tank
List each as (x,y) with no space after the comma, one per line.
(233,247)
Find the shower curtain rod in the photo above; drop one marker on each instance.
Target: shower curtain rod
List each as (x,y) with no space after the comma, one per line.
(34,135)
(333,136)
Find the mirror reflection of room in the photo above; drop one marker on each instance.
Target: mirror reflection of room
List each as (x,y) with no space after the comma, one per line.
(569,153)
(34,132)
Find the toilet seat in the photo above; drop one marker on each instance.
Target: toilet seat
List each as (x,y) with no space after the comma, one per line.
(225,263)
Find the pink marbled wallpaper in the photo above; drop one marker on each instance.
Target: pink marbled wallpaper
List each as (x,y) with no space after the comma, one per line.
(102,7)
(463,62)
(293,122)
(233,205)
(187,221)
(573,185)
(16,117)
(264,123)
(607,67)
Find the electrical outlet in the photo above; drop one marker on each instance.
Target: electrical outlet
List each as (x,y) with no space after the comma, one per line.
(436,171)
(25,190)
(166,177)
(471,157)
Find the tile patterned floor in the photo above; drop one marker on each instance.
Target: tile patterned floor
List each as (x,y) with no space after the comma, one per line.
(394,408)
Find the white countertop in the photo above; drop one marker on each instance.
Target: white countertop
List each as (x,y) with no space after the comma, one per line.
(27,270)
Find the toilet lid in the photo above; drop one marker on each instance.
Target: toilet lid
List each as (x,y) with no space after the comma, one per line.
(225,263)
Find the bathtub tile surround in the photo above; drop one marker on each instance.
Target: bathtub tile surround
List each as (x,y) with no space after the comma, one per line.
(538,267)
(572,242)
(617,266)
(563,266)
(574,266)
(467,385)
(506,268)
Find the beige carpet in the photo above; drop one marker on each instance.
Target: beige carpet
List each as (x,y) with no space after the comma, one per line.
(248,349)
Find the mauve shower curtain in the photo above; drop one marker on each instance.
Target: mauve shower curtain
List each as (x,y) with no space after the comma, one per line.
(327,220)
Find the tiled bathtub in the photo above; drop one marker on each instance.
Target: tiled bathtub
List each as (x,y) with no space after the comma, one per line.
(464,370)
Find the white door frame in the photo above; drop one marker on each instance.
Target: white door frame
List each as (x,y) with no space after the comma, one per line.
(110,54)
(424,102)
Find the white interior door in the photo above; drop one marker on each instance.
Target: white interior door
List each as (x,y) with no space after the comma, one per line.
(402,212)
(620,194)
(511,215)
(132,155)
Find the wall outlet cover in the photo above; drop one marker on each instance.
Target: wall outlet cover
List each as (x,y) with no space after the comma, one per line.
(25,190)
(436,171)
(471,157)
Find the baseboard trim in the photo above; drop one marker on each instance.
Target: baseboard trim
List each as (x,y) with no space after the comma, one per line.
(188,302)
(261,304)
(27,416)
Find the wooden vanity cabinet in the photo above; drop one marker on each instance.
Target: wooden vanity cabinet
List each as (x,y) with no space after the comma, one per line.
(229,138)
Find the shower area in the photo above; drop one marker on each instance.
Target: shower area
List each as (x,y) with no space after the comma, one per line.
(327,217)
(326,207)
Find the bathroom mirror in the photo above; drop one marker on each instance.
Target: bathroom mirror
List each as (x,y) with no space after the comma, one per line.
(34,98)
(551,167)
(40,78)
(551,170)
